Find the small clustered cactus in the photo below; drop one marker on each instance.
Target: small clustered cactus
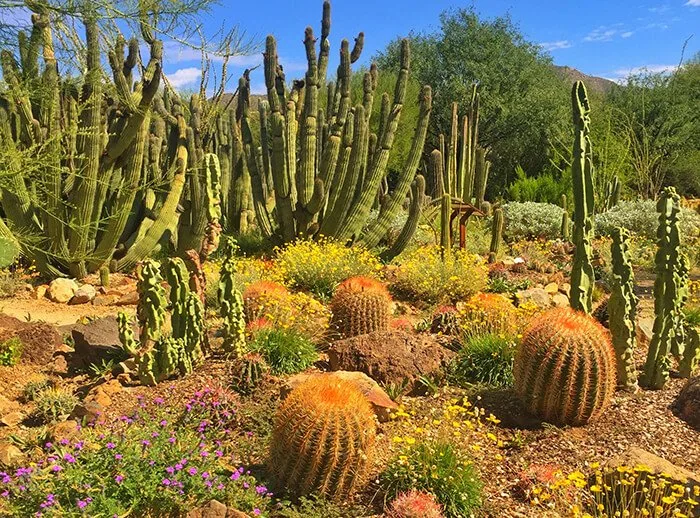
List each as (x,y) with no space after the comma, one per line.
(360,305)
(414,504)
(323,439)
(249,371)
(565,369)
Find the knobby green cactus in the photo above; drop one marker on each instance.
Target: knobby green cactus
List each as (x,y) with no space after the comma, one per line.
(565,220)
(496,234)
(231,304)
(162,353)
(622,309)
(690,362)
(582,275)
(669,292)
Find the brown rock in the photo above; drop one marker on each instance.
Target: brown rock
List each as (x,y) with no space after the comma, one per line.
(687,404)
(91,411)
(60,365)
(537,296)
(637,456)
(381,402)
(644,330)
(560,300)
(10,455)
(64,430)
(128,299)
(105,300)
(40,291)
(12,419)
(83,295)
(390,356)
(215,509)
(551,288)
(39,339)
(7,406)
(96,341)
(111,387)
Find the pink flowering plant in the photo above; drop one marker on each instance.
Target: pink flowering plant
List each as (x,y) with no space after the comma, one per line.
(161,461)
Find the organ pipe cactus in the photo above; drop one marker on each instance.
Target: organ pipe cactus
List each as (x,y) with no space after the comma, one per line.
(690,362)
(669,292)
(414,211)
(496,234)
(582,276)
(622,309)
(612,193)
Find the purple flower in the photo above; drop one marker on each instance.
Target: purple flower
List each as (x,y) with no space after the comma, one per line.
(170,470)
(178,466)
(219,453)
(118,479)
(69,458)
(79,445)
(110,446)
(235,475)
(82,504)
(205,475)
(146,442)
(166,482)
(64,442)
(56,468)
(260,490)
(192,471)
(155,434)
(118,456)
(164,423)
(204,453)
(256,511)
(159,401)
(49,445)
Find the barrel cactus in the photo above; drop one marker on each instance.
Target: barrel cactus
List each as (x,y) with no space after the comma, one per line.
(248,372)
(260,294)
(565,368)
(360,305)
(323,439)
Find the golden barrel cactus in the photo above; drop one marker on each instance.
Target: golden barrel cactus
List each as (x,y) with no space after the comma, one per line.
(360,305)
(565,369)
(323,439)
(259,296)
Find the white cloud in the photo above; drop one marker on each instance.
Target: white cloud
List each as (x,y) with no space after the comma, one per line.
(601,34)
(556,45)
(693,3)
(627,34)
(661,9)
(184,76)
(623,73)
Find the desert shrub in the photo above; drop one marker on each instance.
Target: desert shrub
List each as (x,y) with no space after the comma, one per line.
(487,313)
(34,387)
(319,266)
(423,275)
(285,350)
(541,189)
(640,218)
(484,359)
(529,220)
(437,467)
(414,504)
(53,404)
(318,507)
(11,351)
(162,461)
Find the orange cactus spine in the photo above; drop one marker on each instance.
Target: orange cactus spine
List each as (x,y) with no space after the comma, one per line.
(323,439)
(565,368)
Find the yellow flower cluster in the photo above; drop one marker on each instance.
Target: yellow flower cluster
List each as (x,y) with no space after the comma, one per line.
(424,275)
(488,313)
(299,312)
(319,266)
(623,491)
(248,271)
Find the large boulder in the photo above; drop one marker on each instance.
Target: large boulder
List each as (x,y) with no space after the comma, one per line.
(638,457)
(390,357)
(61,290)
(687,404)
(537,296)
(381,402)
(39,339)
(96,341)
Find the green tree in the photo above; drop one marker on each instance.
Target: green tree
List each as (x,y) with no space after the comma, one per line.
(523,101)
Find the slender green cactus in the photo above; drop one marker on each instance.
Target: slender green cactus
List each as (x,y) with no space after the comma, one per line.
(669,289)
(414,211)
(565,220)
(231,304)
(622,309)
(212,235)
(481,176)
(690,362)
(612,193)
(496,234)
(582,275)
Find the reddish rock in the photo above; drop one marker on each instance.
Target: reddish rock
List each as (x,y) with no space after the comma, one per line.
(39,339)
(687,403)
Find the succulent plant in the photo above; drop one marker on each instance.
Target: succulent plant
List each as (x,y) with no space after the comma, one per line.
(360,305)
(414,504)
(248,371)
(259,294)
(323,439)
(496,234)
(565,369)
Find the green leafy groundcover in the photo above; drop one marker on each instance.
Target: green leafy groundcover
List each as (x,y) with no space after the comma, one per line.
(160,461)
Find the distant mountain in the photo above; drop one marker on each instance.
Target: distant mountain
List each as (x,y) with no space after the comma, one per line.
(593,84)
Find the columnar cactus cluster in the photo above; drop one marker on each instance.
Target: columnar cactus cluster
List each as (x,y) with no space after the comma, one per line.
(496,234)
(231,306)
(622,310)
(612,193)
(360,305)
(582,276)
(670,291)
(165,348)
(323,439)
(565,369)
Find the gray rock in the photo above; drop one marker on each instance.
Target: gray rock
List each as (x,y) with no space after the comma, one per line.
(96,341)
(85,294)
(535,295)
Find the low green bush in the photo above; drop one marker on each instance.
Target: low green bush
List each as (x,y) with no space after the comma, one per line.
(529,220)
(11,351)
(486,359)
(53,404)
(285,350)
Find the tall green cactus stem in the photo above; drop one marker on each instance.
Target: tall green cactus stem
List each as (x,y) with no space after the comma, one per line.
(409,229)
(690,363)
(481,176)
(152,303)
(496,234)
(612,193)
(671,272)
(178,278)
(565,220)
(622,309)
(126,334)
(231,304)
(582,275)
(212,235)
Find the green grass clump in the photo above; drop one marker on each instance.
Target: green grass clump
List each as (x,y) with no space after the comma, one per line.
(440,468)
(284,350)
(35,387)
(486,359)
(53,404)
(11,351)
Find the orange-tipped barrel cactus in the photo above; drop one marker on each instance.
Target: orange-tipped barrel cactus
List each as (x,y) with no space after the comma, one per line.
(323,439)
(261,294)
(415,504)
(360,305)
(565,369)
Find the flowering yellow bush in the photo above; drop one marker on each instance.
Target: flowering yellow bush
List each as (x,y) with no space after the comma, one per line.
(423,275)
(319,266)
(488,313)
(632,492)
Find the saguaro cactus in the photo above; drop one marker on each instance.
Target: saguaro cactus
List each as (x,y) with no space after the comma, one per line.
(669,290)
(496,234)
(582,276)
(622,309)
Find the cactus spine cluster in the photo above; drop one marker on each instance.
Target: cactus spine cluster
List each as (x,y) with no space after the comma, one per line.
(323,439)
(582,276)
(496,234)
(565,368)
(622,309)
(231,304)
(360,305)
(165,350)
(670,289)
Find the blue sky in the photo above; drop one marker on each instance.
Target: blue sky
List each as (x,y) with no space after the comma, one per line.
(607,38)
